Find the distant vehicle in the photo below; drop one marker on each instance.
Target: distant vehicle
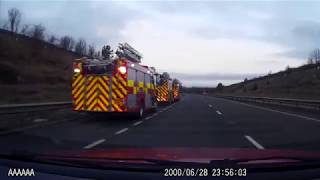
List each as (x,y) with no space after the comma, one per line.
(176,85)
(114,85)
(164,89)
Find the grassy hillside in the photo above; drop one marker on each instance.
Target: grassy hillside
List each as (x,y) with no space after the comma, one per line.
(301,83)
(33,70)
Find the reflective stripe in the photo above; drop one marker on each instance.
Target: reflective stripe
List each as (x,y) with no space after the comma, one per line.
(91,105)
(103,99)
(102,106)
(79,105)
(130,83)
(141,84)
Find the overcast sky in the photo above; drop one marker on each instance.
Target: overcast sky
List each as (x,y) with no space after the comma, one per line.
(200,42)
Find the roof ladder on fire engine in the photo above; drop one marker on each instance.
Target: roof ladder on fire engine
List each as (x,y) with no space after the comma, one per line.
(125,50)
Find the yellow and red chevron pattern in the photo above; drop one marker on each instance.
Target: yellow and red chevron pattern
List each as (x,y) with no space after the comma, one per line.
(176,92)
(78,92)
(163,92)
(119,93)
(99,93)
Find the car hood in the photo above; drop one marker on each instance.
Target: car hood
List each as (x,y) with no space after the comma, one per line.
(200,155)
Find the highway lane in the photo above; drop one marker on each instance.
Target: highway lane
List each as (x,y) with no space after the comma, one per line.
(274,129)
(196,121)
(190,123)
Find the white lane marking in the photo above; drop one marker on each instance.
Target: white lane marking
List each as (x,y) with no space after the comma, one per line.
(137,123)
(254,142)
(121,131)
(40,120)
(281,112)
(155,114)
(149,117)
(161,111)
(91,145)
(210,105)
(218,112)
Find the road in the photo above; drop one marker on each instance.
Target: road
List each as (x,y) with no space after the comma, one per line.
(195,121)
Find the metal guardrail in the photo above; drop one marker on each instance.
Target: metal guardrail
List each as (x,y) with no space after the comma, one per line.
(299,103)
(21,108)
(7,106)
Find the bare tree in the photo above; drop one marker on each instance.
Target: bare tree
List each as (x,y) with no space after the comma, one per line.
(25,29)
(91,51)
(219,86)
(38,32)
(310,60)
(287,67)
(97,54)
(81,47)
(52,39)
(14,17)
(314,56)
(106,52)
(67,43)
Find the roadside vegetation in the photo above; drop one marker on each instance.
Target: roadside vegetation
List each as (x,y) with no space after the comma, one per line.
(298,83)
(36,66)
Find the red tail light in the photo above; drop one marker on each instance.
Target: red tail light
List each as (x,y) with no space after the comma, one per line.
(76,67)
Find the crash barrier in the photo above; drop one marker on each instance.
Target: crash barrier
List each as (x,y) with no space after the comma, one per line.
(22,108)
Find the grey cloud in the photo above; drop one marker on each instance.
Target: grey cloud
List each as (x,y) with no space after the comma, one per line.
(300,36)
(294,25)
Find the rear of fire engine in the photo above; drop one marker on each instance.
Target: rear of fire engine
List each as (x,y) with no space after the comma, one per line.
(176,90)
(164,89)
(114,85)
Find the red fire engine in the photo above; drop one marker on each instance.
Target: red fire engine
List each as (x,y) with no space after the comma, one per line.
(164,89)
(176,90)
(118,85)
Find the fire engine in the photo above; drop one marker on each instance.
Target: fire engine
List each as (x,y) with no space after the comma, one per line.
(164,88)
(119,84)
(176,90)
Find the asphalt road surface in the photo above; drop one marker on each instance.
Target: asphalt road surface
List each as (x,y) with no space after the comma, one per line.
(195,121)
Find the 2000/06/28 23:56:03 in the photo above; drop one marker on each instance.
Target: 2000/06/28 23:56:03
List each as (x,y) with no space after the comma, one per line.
(205,172)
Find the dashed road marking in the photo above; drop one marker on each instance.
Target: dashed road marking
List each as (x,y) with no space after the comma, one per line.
(40,120)
(149,117)
(210,105)
(218,112)
(121,131)
(254,142)
(137,123)
(95,143)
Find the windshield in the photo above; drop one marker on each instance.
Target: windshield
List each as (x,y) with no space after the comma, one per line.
(161,79)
